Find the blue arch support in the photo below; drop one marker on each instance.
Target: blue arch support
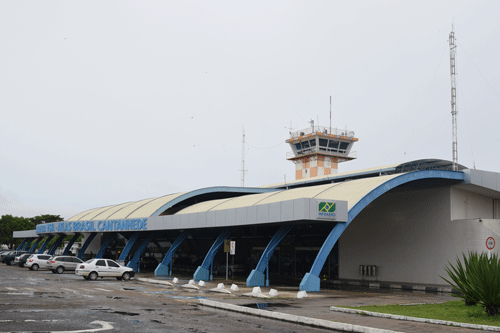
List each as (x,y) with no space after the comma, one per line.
(44,245)
(134,262)
(202,271)
(129,245)
(56,244)
(35,244)
(89,240)
(111,237)
(165,267)
(256,277)
(70,244)
(311,280)
(28,242)
(22,244)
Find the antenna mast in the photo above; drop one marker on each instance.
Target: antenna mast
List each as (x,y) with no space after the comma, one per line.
(243,159)
(453,98)
(330,114)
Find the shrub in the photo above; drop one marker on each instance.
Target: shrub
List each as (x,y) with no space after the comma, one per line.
(477,280)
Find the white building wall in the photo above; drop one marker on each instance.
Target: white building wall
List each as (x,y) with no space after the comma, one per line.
(410,237)
(467,205)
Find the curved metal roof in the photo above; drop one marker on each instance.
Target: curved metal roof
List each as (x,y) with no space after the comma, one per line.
(351,191)
(157,206)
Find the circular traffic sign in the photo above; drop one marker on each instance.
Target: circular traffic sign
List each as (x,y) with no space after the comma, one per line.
(490,243)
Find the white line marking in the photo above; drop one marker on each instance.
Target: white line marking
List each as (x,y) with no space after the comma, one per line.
(103,289)
(70,290)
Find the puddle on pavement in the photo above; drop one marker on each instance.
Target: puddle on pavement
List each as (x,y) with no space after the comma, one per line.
(188,297)
(267,306)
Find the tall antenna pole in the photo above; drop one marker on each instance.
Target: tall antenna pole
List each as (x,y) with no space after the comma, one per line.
(243,159)
(453,98)
(330,114)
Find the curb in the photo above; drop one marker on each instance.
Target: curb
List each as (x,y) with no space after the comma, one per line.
(293,319)
(416,319)
(387,285)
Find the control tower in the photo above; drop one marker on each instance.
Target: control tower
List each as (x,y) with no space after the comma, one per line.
(318,150)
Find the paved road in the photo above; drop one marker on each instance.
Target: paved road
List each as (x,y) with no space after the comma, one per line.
(45,302)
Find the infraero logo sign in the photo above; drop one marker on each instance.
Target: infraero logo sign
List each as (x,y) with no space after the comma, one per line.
(327,210)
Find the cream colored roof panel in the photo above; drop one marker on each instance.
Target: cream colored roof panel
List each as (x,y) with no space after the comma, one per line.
(244,201)
(82,214)
(129,209)
(107,213)
(333,176)
(204,206)
(296,193)
(149,208)
(355,190)
(98,211)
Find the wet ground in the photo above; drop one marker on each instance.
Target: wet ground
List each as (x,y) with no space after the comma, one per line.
(45,302)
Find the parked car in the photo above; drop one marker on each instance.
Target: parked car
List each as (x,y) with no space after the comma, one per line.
(59,264)
(37,261)
(21,260)
(10,257)
(94,268)
(148,263)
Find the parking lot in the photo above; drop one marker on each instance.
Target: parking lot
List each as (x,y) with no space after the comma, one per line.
(41,301)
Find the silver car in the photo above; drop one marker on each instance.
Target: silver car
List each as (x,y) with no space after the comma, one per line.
(59,264)
(37,261)
(94,268)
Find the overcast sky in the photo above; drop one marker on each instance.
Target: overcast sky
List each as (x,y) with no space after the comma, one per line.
(105,102)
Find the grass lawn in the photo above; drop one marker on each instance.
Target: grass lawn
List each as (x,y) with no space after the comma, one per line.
(452,311)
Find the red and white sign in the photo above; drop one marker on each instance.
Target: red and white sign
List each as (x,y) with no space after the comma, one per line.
(490,243)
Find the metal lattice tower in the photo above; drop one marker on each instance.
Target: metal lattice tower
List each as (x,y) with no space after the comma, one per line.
(453,98)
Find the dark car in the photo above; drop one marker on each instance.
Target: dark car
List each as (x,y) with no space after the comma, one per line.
(21,260)
(148,263)
(10,258)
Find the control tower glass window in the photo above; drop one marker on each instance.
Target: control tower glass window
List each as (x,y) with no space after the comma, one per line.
(344,145)
(334,145)
(305,144)
(312,142)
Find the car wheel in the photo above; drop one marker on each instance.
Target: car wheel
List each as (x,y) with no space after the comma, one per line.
(126,276)
(60,270)
(11,262)
(34,267)
(93,276)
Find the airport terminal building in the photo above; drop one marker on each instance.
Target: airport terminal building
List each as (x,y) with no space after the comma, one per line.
(397,224)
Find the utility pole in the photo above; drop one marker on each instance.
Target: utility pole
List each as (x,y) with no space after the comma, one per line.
(453,98)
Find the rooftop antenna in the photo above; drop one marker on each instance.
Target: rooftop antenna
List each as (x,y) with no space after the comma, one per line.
(243,158)
(453,98)
(330,114)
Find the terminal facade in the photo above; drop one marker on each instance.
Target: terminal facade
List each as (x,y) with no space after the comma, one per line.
(397,224)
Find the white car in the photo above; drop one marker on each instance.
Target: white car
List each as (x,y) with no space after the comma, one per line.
(94,268)
(37,261)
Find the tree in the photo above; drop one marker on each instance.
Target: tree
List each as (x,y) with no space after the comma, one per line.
(9,224)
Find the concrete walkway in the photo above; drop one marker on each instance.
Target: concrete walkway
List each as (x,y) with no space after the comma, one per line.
(317,307)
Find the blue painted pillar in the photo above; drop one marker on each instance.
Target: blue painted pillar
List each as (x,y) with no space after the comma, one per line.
(311,281)
(89,240)
(129,245)
(165,267)
(22,244)
(35,244)
(56,244)
(111,237)
(70,244)
(28,242)
(135,261)
(256,277)
(202,272)
(44,245)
